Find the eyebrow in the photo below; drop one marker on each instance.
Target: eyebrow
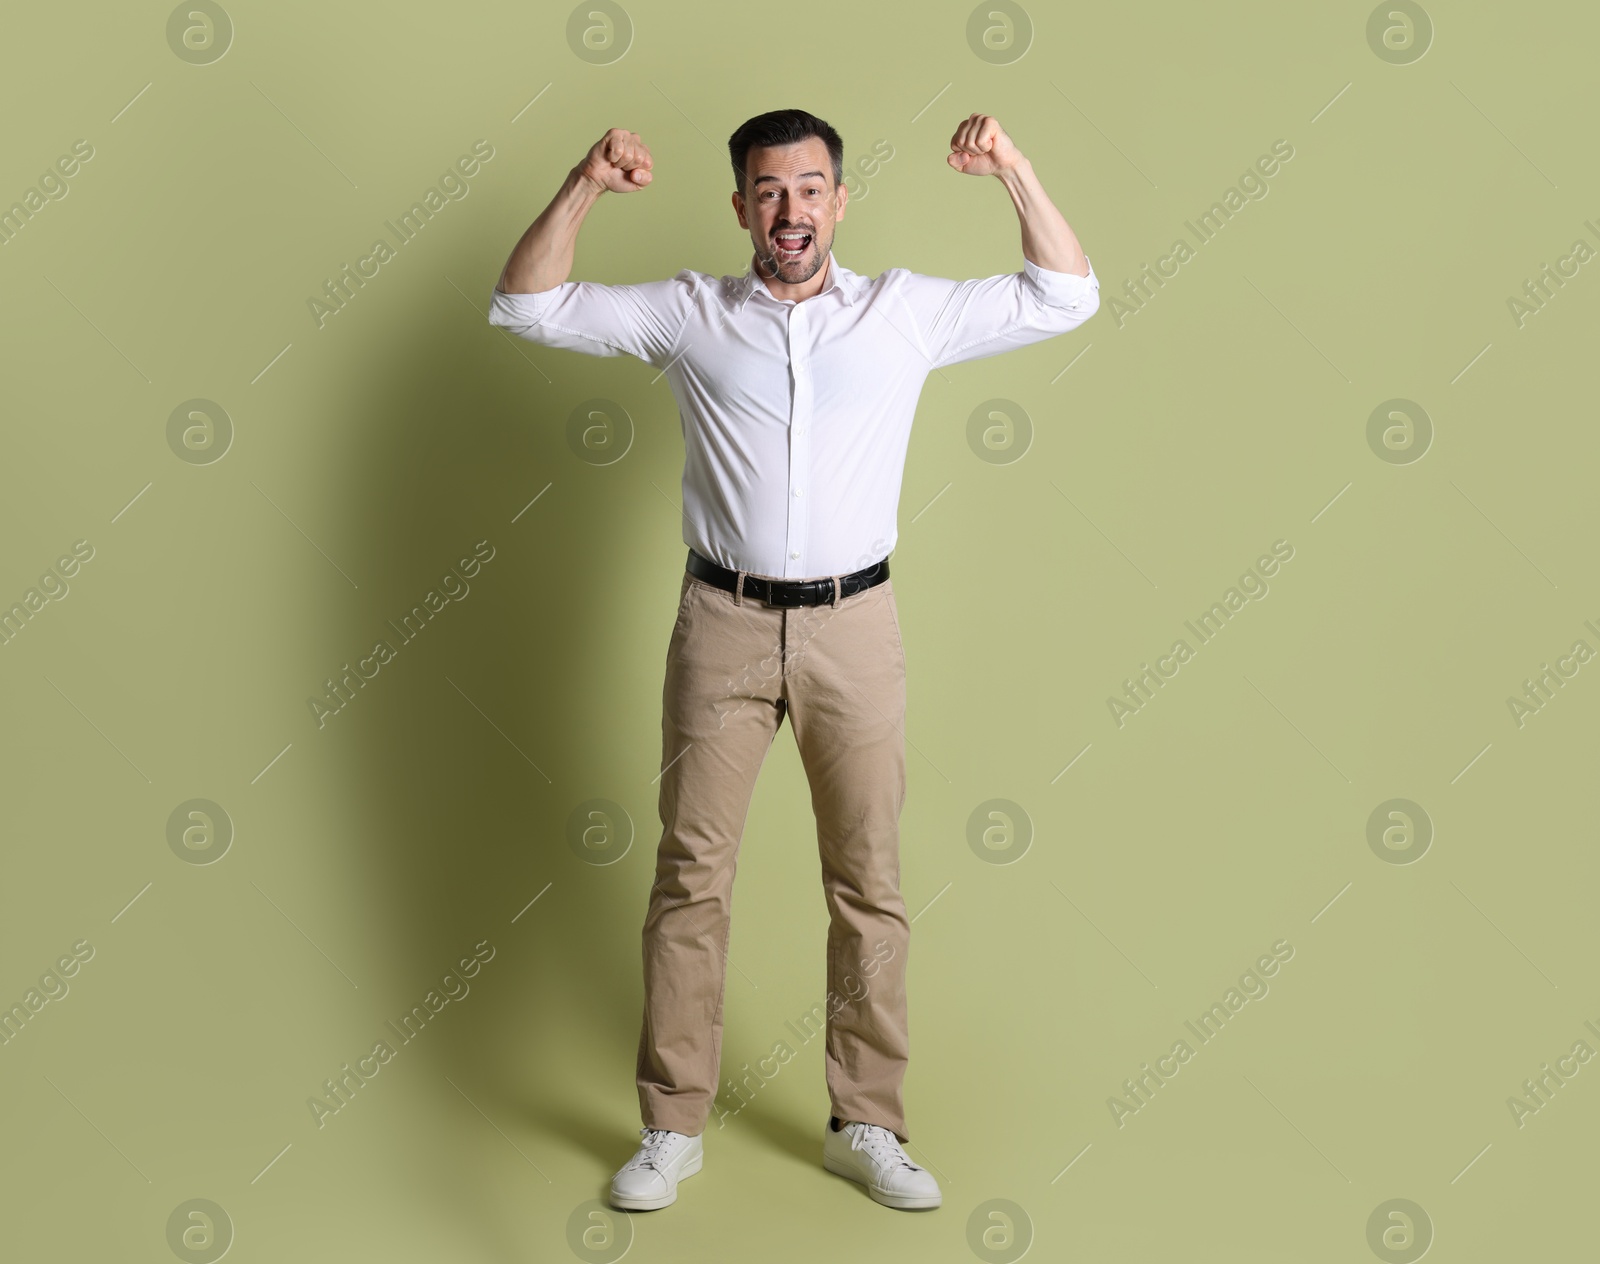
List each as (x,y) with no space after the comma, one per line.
(778,180)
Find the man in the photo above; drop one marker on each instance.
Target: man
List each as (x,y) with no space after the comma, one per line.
(796,384)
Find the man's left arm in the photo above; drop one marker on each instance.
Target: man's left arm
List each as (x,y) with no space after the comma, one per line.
(980,147)
(1057,289)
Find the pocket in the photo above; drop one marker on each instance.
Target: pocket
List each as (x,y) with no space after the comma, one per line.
(894,615)
(683,601)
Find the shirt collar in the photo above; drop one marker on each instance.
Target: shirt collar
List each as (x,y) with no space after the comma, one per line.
(840,278)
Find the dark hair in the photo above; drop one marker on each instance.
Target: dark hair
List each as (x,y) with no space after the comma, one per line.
(782,127)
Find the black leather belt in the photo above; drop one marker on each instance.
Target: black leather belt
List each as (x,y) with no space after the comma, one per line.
(788,592)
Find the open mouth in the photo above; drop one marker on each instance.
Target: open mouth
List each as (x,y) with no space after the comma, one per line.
(791,245)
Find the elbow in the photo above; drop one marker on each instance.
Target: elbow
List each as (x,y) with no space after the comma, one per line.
(1068,316)
(500,288)
(519,313)
(1088,303)
(1063,306)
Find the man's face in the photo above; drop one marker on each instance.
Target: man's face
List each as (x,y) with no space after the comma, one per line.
(790,206)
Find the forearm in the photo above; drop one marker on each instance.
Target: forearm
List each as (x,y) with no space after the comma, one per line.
(1047,239)
(542,258)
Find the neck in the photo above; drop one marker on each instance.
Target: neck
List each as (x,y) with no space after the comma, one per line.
(803,290)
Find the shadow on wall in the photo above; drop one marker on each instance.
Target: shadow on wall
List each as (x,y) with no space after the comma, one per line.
(538,689)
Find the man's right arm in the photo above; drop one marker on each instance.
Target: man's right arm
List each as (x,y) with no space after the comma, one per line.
(542,259)
(533,298)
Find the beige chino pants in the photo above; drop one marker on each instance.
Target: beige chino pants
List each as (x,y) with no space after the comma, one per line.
(734,669)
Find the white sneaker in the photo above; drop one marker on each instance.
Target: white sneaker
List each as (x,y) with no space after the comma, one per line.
(872,1155)
(650,1178)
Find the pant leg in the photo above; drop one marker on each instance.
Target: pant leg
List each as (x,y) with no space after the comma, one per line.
(846,689)
(721,708)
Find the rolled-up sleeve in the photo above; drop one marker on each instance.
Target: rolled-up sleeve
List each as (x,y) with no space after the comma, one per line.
(967,320)
(641,320)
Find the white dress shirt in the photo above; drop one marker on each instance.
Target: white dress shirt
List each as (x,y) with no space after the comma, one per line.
(796,415)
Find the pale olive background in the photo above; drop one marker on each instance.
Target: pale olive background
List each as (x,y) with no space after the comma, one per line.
(371,854)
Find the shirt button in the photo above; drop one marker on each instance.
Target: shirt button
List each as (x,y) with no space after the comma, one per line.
(794,555)
(796,491)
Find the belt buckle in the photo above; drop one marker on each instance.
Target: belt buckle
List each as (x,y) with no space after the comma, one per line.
(786,596)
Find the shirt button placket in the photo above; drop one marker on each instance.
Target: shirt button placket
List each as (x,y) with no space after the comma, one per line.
(799,444)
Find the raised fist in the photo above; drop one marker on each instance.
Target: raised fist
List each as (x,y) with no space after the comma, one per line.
(980,147)
(619,162)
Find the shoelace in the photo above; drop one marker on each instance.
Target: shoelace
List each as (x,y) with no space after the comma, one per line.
(655,1140)
(882,1145)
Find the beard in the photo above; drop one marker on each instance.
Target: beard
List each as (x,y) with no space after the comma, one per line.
(798,270)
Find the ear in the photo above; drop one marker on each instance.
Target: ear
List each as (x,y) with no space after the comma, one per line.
(738,209)
(843,197)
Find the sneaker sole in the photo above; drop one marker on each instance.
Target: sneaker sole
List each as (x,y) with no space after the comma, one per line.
(900,1202)
(655,1204)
